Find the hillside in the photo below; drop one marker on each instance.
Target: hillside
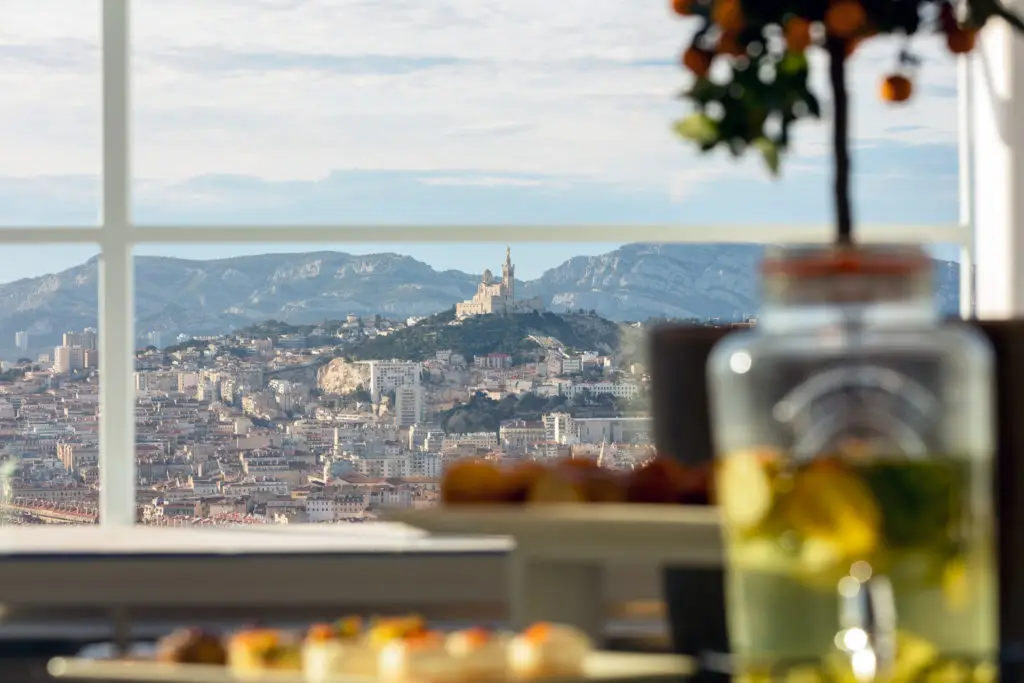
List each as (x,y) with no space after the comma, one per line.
(200,297)
(641,281)
(492,334)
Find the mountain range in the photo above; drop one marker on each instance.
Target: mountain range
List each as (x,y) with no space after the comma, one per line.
(173,295)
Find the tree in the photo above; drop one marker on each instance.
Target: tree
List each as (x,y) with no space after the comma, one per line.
(764,44)
(508,403)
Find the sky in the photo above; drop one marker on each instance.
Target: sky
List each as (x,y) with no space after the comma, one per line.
(426,112)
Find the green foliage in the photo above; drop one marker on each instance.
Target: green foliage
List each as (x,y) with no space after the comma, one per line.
(483,414)
(12,375)
(486,334)
(740,113)
(194,344)
(274,329)
(767,89)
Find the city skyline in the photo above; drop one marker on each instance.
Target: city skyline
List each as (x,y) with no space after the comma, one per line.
(447,113)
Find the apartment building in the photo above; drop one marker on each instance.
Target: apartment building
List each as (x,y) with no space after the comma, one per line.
(408,405)
(387,376)
(518,435)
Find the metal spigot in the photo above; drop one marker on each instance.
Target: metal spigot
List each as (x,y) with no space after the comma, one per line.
(867,616)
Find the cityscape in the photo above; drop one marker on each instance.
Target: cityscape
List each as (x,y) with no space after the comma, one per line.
(329,422)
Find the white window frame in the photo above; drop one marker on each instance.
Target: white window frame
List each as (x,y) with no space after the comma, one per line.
(117,235)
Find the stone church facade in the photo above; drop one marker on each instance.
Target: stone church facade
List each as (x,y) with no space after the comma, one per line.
(497,297)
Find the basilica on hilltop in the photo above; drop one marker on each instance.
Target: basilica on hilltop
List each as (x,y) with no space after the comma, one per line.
(497,297)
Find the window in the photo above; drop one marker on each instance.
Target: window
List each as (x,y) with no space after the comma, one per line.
(549,136)
(49,52)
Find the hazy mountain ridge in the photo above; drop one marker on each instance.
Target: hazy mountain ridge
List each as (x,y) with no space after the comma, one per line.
(633,282)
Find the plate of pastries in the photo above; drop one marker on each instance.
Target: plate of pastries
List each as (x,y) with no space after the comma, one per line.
(661,480)
(384,650)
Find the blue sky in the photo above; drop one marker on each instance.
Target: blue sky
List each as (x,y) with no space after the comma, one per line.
(432,112)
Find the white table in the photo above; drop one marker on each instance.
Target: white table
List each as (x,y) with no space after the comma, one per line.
(556,572)
(562,553)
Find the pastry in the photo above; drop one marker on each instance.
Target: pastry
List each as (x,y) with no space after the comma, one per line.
(256,651)
(419,658)
(473,481)
(338,649)
(548,650)
(520,480)
(191,646)
(556,486)
(481,654)
(385,629)
(596,484)
(662,480)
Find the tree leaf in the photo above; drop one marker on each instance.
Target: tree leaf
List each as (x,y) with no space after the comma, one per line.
(704,91)
(813,105)
(793,63)
(770,152)
(698,127)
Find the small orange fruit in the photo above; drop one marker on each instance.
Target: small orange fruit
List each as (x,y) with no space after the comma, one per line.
(728,15)
(845,18)
(798,34)
(683,8)
(897,88)
(698,61)
(728,44)
(961,40)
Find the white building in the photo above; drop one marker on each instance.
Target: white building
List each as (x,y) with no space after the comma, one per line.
(560,428)
(635,430)
(68,358)
(383,467)
(617,389)
(408,405)
(425,465)
(187,382)
(518,435)
(391,498)
(156,381)
(21,340)
(474,439)
(85,339)
(387,376)
(324,507)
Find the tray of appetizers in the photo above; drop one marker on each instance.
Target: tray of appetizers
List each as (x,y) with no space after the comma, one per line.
(658,511)
(392,650)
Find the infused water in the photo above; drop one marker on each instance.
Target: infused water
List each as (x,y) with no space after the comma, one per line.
(858,568)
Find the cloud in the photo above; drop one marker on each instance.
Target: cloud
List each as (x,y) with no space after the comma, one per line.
(62,55)
(940,91)
(288,92)
(212,61)
(885,192)
(484,181)
(492,128)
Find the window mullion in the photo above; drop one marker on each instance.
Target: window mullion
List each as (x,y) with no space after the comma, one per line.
(965,144)
(116,306)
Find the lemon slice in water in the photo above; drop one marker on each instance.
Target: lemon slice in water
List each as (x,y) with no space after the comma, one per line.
(831,506)
(744,489)
(956,591)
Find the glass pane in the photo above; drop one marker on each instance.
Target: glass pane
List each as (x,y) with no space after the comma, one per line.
(49,384)
(441,113)
(326,384)
(50,119)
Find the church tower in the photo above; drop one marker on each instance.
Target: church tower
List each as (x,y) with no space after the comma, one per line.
(508,275)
